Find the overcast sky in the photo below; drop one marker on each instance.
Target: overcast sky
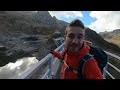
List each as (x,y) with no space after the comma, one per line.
(99,21)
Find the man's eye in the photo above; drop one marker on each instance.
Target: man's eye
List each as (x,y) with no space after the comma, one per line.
(79,37)
(71,36)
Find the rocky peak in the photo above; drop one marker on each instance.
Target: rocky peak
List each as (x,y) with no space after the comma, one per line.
(54,17)
(45,18)
(113,34)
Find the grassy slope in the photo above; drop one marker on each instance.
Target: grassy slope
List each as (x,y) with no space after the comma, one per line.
(114,41)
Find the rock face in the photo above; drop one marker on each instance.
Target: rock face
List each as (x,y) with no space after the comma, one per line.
(25,34)
(40,22)
(15,46)
(45,18)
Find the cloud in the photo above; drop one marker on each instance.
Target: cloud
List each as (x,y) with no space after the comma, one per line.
(13,70)
(105,20)
(66,14)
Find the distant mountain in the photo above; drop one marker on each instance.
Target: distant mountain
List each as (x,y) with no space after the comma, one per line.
(112,37)
(115,34)
(99,41)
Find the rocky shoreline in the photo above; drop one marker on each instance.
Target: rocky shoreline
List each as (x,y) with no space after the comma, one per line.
(14,46)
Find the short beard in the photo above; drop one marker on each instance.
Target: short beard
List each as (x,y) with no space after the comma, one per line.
(68,46)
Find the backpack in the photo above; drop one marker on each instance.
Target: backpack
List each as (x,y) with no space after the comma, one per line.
(100,56)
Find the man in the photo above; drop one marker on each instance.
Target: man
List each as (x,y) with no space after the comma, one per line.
(75,48)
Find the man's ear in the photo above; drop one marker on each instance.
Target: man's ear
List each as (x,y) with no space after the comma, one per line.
(64,37)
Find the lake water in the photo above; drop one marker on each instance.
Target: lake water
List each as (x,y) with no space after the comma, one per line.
(13,70)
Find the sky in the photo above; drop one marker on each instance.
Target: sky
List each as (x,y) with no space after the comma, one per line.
(98,21)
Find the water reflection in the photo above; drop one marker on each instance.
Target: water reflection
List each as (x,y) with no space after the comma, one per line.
(13,70)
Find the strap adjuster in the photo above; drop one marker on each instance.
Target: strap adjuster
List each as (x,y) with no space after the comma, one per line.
(72,69)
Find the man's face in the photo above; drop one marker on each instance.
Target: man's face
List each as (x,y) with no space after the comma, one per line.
(74,38)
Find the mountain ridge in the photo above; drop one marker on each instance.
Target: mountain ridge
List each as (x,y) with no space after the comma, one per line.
(27,33)
(112,37)
(97,39)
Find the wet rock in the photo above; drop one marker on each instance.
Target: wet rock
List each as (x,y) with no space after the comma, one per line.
(2,48)
(30,38)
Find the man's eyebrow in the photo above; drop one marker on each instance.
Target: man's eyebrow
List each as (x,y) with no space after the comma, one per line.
(71,34)
(76,34)
(80,34)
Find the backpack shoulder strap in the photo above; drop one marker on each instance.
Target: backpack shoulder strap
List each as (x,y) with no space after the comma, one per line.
(81,65)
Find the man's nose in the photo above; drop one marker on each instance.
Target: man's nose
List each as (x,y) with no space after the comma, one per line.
(75,41)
